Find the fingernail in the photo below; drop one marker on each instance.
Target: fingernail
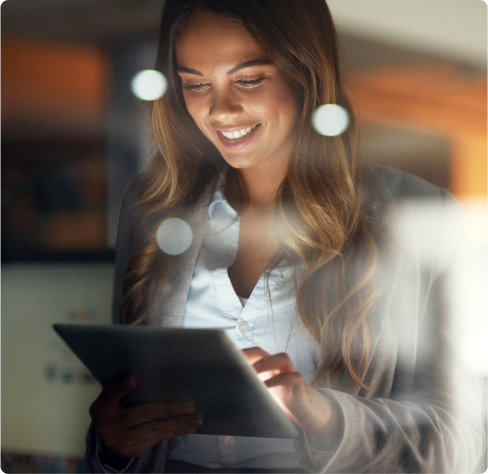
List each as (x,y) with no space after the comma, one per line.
(196,421)
(187,409)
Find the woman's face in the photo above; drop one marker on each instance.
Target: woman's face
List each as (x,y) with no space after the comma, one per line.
(239,100)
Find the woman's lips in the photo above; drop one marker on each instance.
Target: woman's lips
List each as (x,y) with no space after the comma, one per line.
(236,143)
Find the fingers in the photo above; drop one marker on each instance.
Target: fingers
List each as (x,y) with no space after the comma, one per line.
(122,419)
(127,432)
(116,391)
(164,429)
(153,411)
(270,366)
(302,404)
(263,361)
(253,354)
(110,396)
(106,408)
(125,442)
(267,366)
(287,379)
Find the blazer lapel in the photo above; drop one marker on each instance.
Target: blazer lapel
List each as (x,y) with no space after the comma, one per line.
(170,309)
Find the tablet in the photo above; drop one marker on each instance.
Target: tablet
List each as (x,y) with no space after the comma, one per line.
(200,366)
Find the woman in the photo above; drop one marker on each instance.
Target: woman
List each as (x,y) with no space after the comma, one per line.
(291,252)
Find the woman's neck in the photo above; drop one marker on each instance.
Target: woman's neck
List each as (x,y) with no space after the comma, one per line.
(261,187)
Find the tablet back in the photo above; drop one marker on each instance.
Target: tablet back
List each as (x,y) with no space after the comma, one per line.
(201,366)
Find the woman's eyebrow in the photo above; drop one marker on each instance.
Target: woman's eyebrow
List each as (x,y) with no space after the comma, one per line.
(188,70)
(253,62)
(238,67)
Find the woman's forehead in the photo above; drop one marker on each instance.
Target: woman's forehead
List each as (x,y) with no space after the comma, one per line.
(207,34)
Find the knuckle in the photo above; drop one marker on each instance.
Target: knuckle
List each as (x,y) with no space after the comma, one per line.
(143,413)
(124,418)
(94,410)
(172,410)
(258,349)
(163,429)
(157,428)
(297,376)
(103,435)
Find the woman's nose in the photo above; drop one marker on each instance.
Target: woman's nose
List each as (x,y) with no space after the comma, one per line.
(225,105)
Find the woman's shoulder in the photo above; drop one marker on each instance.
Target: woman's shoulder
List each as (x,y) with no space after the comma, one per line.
(421,219)
(133,191)
(130,207)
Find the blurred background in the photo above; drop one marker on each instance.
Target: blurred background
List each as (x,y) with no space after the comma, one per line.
(74,133)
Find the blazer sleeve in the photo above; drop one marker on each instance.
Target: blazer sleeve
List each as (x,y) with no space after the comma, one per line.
(435,425)
(126,243)
(152,460)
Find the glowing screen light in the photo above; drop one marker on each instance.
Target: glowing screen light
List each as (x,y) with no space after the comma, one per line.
(330,120)
(149,85)
(174,236)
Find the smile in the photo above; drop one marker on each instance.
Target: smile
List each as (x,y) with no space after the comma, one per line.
(239,138)
(238,133)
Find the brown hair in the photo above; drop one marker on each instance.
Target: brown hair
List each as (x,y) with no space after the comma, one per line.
(319,202)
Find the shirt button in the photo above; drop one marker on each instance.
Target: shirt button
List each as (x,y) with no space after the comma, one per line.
(229,440)
(244,327)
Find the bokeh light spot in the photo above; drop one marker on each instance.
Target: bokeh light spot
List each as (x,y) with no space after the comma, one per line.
(330,120)
(174,236)
(149,85)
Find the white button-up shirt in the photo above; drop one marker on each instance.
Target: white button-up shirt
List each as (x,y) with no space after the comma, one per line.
(271,324)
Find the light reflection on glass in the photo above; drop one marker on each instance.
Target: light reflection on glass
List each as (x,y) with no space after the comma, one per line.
(149,85)
(472,328)
(330,120)
(461,265)
(174,236)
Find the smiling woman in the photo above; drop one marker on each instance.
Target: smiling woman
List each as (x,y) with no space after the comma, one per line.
(289,252)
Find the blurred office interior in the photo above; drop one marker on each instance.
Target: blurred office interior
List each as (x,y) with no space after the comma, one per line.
(73,135)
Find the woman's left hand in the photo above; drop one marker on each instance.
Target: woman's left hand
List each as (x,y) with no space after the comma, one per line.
(303,405)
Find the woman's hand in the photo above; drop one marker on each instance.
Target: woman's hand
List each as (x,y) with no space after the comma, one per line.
(303,405)
(128,432)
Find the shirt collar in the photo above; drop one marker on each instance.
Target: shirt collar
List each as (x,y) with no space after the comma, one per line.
(219,205)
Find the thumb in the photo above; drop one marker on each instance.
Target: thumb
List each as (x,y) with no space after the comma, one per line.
(113,393)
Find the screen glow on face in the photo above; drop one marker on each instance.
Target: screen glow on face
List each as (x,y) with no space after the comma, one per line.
(237,97)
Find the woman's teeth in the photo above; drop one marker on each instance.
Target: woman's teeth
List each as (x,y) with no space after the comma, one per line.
(238,133)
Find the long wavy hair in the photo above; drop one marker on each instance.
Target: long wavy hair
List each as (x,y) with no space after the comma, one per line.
(323,225)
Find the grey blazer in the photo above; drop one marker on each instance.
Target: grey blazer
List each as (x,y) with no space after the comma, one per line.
(423,411)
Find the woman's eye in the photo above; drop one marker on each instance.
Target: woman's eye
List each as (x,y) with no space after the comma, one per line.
(196,87)
(250,82)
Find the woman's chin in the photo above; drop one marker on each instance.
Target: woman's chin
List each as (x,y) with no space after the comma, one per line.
(239,162)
